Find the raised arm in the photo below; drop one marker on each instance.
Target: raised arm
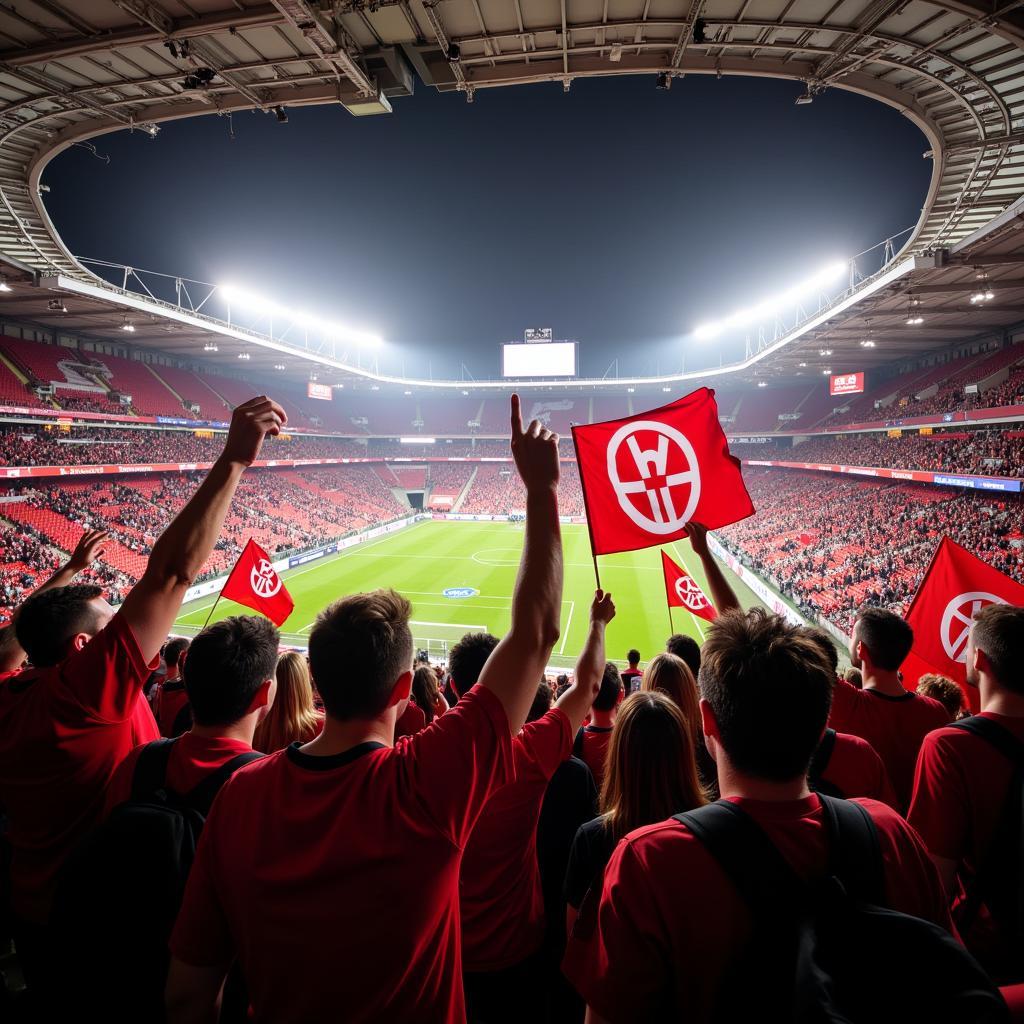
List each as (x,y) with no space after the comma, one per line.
(87,550)
(721,593)
(519,660)
(178,556)
(577,700)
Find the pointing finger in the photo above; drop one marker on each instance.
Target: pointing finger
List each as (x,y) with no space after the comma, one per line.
(517,416)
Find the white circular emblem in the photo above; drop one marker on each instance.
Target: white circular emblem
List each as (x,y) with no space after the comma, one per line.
(691,595)
(264,580)
(956,622)
(646,474)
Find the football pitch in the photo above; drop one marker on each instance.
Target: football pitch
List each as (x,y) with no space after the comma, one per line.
(459,577)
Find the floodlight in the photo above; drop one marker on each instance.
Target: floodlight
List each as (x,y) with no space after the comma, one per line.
(454,54)
(130,328)
(278,366)
(281,114)
(210,347)
(663,81)
(4,286)
(867,343)
(805,99)
(914,320)
(243,355)
(615,53)
(801,364)
(762,383)
(56,306)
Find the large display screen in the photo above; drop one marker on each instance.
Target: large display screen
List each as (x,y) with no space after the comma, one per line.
(556,359)
(321,391)
(846,384)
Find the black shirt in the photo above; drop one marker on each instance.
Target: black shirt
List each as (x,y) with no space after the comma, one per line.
(591,850)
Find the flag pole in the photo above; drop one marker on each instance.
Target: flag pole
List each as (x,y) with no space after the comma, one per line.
(212,610)
(597,574)
(586,510)
(671,627)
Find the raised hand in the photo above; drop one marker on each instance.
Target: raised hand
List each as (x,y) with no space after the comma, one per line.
(602,608)
(698,538)
(250,424)
(87,550)
(535,451)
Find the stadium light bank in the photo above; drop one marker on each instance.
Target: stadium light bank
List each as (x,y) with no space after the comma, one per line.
(768,308)
(241,299)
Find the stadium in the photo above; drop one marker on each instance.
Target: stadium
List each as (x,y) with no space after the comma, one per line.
(873,405)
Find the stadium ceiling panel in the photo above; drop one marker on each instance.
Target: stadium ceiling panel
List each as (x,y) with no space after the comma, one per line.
(74,69)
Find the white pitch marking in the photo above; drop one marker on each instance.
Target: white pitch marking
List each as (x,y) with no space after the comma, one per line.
(453,625)
(568,623)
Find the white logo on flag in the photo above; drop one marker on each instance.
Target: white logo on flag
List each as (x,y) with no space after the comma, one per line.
(660,488)
(691,595)
(264,580)
(956,622)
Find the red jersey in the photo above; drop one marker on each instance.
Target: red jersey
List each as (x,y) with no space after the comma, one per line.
(499,883)
(192,759)
(172,698)
(894,726)
(671,923)
(631,678)
(63,731)
(335,880)
(959,792)
(856,770)
(592,747)
(410,721)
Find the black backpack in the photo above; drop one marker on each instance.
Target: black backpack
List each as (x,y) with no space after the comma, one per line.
(819,765)
(830,952)
(119,893)
(999,882)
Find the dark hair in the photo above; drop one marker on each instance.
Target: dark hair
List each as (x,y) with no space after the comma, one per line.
(822,640)
(770,689)
(174,649)
(226,665)
(633,656)
(611,686)
(997,630)
(685,647)
(48,620)
(467,658)
(358,648)
(541,702)
(887,637)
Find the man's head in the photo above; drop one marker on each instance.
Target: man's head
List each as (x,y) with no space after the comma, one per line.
(55,623)
(633,657)
(360,655)
(994,648)
(766,692)
(230,670)
(823,642)
(881,640)
(611,687)
(687,648)
(174,652)
(467,658)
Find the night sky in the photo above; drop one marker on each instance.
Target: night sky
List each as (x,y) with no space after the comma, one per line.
(619,215)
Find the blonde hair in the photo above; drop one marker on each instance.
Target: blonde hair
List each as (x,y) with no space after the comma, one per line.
(671,676)
(292,716)
(651,767)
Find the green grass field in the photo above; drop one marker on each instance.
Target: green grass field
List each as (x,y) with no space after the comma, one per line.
(424,560)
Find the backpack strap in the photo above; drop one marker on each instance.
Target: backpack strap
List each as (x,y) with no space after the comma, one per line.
(820,760)
(151,768)
(855,854)
(995,734)
(201,797)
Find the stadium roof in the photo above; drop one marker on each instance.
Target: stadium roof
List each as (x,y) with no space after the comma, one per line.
(73,69)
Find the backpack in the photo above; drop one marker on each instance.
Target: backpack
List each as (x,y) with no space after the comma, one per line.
(999,882)
(819,765)
(119,893)
(829,952)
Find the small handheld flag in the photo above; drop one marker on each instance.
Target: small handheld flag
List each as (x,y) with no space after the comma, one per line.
(683,591)
(255,583)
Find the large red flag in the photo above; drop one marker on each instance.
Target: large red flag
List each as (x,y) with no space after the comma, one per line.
(645,477)
(254,582)
(683,591)
(956,585)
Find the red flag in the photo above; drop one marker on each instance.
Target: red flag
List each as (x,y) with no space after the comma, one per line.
(683,591)
(254,582)
(645,477)
(956,585)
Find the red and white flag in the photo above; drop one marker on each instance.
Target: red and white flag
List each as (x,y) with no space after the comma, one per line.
(255,583)
(956,585)
(645,477)
(683,591)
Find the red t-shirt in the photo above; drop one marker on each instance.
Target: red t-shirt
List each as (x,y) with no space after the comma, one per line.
(959,792)
(192,759)
(499,883)
(894,726)
(173,697)
(63,731)
(335,880)
(856,770)
(671,923)
(631,680)
(593,749)
(410,721)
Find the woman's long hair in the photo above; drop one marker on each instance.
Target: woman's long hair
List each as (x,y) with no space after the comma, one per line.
(425,691)
(651,769)
(672,676)
(292,716)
